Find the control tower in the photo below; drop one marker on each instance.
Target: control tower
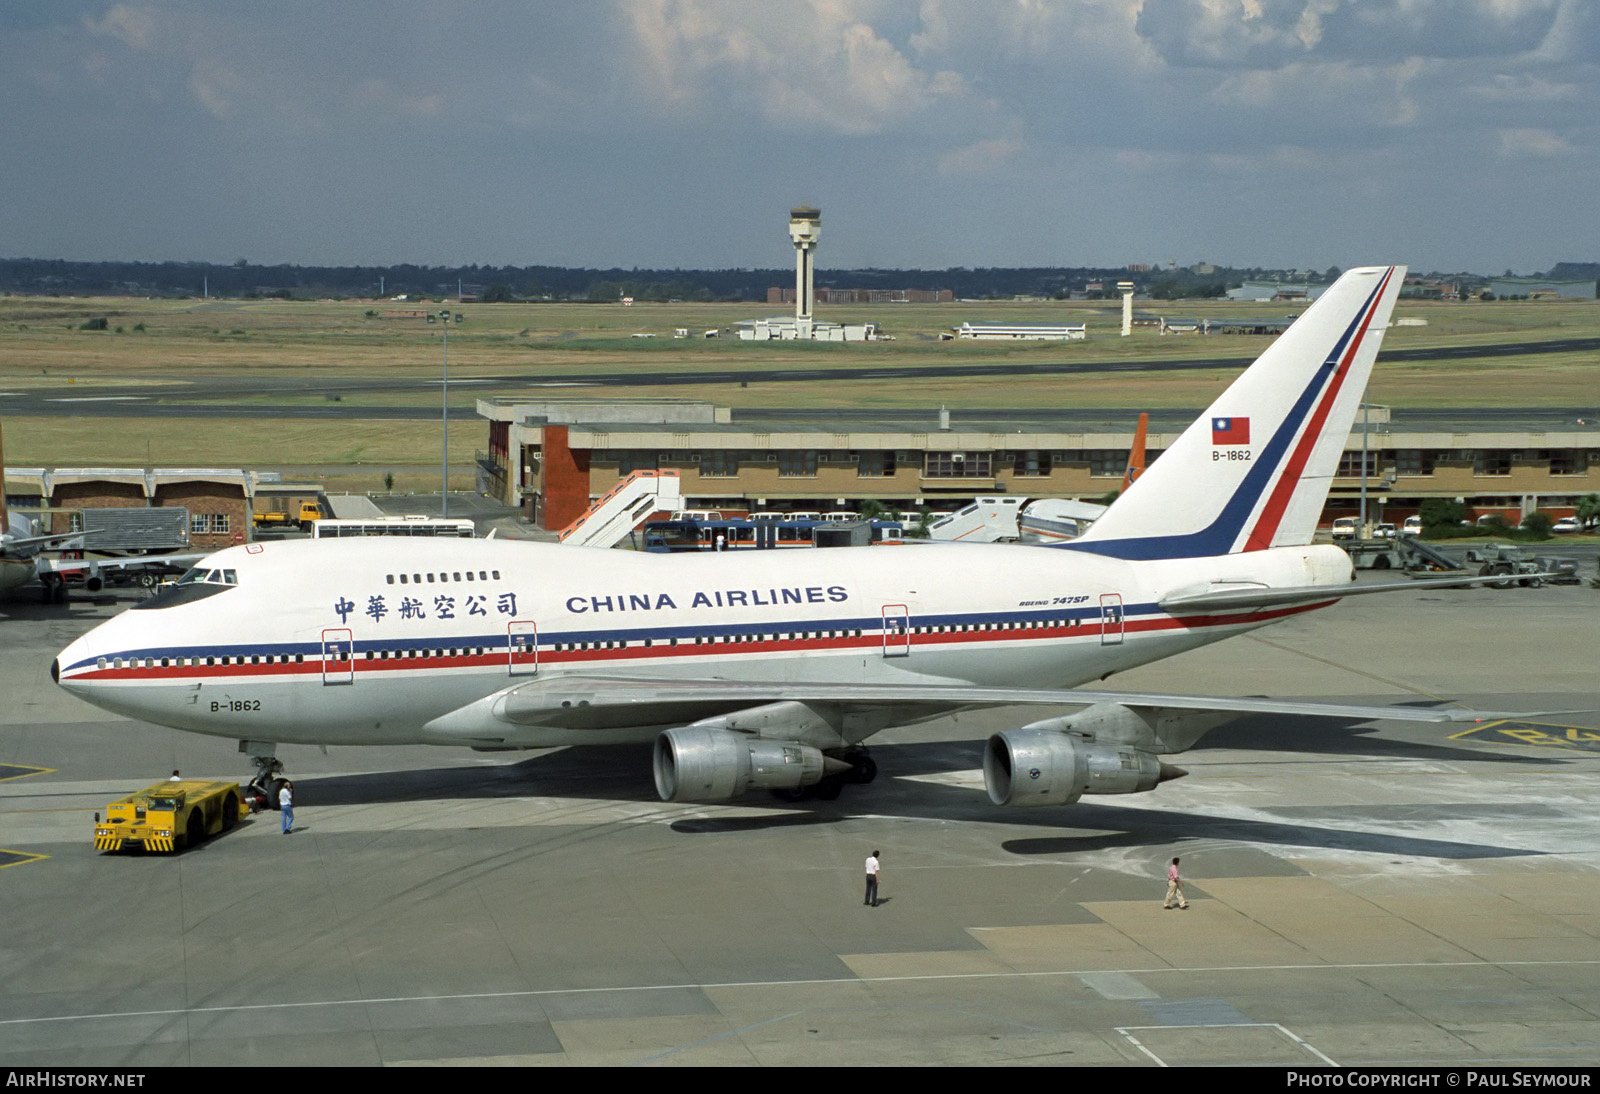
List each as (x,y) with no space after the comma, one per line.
(805,228)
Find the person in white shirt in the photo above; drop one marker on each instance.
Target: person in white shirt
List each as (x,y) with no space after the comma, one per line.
(872,880)
(286,805)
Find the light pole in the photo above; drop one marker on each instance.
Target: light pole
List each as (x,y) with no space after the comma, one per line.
(1365,406)
(444,417)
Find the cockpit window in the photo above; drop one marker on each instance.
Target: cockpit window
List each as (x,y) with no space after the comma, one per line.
(196,584)
(201,575)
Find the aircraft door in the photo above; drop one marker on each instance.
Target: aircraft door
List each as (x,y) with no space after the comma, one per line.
(522,640)
(1111,619)
(338,656)
(896,630)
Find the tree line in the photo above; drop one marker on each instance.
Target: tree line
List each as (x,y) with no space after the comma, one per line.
(244,279)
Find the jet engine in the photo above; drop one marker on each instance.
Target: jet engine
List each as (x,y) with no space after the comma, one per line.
(1048,767)
(697,764)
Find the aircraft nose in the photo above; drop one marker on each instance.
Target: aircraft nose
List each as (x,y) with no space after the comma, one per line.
(61,668)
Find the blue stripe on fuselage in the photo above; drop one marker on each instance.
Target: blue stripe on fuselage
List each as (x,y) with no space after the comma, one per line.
(547,638)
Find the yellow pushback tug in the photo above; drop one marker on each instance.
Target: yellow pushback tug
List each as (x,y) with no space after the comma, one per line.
(169,815)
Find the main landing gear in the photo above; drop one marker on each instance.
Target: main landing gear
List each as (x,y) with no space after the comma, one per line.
(862,770)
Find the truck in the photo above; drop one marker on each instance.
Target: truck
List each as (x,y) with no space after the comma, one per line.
(1401,552)
(1515,565)
(170,815)
(308,512)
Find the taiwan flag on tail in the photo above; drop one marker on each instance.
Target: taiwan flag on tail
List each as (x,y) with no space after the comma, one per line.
(1230,431)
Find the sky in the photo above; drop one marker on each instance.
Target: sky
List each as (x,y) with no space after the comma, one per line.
(1451,135)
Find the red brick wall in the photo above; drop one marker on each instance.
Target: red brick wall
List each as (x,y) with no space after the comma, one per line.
(565,495)
(210,499)
(92,495)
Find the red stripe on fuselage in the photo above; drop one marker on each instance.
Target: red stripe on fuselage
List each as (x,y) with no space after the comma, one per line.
(498,660)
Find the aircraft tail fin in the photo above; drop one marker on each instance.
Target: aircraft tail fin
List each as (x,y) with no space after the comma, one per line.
(1136,456)
(1253,471)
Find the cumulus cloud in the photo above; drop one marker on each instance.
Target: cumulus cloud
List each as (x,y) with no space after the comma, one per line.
(984,157)
(994,108)
(817,66)
(1518,143)
(134,27)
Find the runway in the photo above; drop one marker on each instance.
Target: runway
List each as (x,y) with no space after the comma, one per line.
(1360,894)
(215,397)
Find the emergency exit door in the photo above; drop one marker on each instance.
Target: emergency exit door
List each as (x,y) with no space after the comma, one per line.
(896,630)
(338,656)
(522,639)
(1111,619)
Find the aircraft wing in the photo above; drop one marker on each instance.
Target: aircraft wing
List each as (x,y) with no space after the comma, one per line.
(132,564)
(62,541)
(597,702)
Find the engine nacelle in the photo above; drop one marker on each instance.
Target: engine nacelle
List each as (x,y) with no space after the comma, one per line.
(696,764)
(1046,767)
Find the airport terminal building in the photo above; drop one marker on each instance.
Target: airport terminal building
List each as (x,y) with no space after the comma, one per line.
(550,457)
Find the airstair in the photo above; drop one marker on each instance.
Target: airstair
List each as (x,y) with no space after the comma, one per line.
(610,519)
(986,520)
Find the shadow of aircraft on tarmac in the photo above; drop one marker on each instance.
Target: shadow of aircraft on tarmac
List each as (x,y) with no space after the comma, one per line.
(904,790)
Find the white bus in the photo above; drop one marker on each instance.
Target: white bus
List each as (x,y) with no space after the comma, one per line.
(392,526)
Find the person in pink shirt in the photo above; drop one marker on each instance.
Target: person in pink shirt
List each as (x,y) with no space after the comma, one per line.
(1174,888)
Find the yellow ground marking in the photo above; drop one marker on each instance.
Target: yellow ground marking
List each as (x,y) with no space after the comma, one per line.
(1583,738)
(18,858)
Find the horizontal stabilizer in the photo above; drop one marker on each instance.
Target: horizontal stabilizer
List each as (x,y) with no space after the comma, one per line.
(54,541)
(1317,594)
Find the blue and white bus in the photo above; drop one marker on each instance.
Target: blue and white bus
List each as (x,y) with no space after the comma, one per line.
(664,536)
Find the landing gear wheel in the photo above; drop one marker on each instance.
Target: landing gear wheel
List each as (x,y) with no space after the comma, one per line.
(863,768)
(262,791)
(195,831)
(828,789)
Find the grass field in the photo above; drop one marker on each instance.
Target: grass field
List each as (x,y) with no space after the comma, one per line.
(314,343)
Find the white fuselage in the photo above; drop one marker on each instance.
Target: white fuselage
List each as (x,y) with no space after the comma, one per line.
(366,641)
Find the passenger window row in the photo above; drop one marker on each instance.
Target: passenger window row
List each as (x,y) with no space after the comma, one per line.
(480,651)
(452,651)
(441,578)
(193,662)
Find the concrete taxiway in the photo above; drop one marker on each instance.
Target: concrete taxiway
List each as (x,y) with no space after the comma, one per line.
(1359,893)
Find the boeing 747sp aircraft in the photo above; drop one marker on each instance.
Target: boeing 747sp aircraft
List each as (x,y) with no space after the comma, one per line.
(768,669)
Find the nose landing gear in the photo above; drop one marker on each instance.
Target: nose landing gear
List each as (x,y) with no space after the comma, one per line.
(262,791)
